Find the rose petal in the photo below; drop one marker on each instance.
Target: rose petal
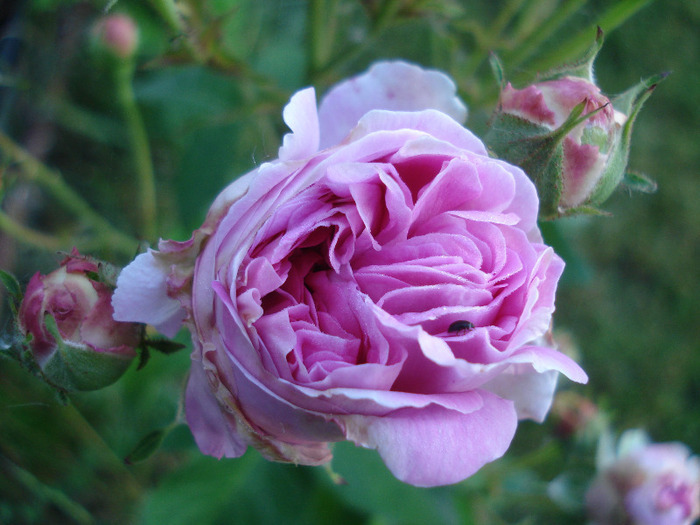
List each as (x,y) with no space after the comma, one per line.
(142,296)
(394,86)
(214,430)
(531,392)
(301,116)
(438,132)
(434,446)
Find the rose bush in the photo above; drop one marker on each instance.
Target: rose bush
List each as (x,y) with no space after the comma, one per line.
(384,281)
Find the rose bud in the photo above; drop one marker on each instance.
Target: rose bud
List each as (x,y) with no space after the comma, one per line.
(649,484)
(384,281)
(571,140)
(118,34)
(66,317)
(573,414)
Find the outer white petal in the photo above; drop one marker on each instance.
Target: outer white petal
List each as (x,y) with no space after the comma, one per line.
(141,296)
(395,86)
(532,392)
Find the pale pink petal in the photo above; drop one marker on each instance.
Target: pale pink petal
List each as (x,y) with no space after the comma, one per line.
(213,428)
(438,132)
(531,391)
(142,296)
(301,116)
(584,165)
(543,359)
(434,445)
(394,86)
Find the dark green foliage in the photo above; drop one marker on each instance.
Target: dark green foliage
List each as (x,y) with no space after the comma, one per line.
(211,96)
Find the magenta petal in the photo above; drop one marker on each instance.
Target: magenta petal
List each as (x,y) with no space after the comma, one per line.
(434,446)
(301,117)
(394,86)
(142,296)
(213,429)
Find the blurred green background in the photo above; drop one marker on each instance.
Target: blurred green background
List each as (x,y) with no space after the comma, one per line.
(209,81)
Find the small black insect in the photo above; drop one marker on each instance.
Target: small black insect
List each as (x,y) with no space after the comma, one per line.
(460,327)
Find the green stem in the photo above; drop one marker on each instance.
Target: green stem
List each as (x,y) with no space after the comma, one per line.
(139,149)
(28,236)
(168,12)
(46,494)
(317,23)
(35,171)
(493,38)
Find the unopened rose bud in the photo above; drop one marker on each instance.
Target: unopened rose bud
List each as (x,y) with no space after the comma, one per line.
(570,139)
(588,146)
(573,414)
(66,318)
(118,33)
(650,484)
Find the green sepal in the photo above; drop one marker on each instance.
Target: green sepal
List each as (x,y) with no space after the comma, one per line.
(583,66)
(630,103)
(144,356)
(108,273)
(80,368)
(498,70)
(11,283)
(147,446)
(164,346)
(538,151)
(584,210)
(626,101)
(639,182)
(535,149)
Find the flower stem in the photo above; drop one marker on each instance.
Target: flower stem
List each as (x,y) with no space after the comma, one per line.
(28,236)
(322,24)
(35,171)
(168,12)
(139,149)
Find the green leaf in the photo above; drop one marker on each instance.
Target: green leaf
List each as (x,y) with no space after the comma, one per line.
(639,182)
(11,283)
(148,445)
(144,356)
(612,18)
(546,29)
(497,68)
(371,487)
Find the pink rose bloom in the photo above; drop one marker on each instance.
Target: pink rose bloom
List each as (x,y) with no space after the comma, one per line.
(589,149)
(384,282)
(654,484)
(94,349)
